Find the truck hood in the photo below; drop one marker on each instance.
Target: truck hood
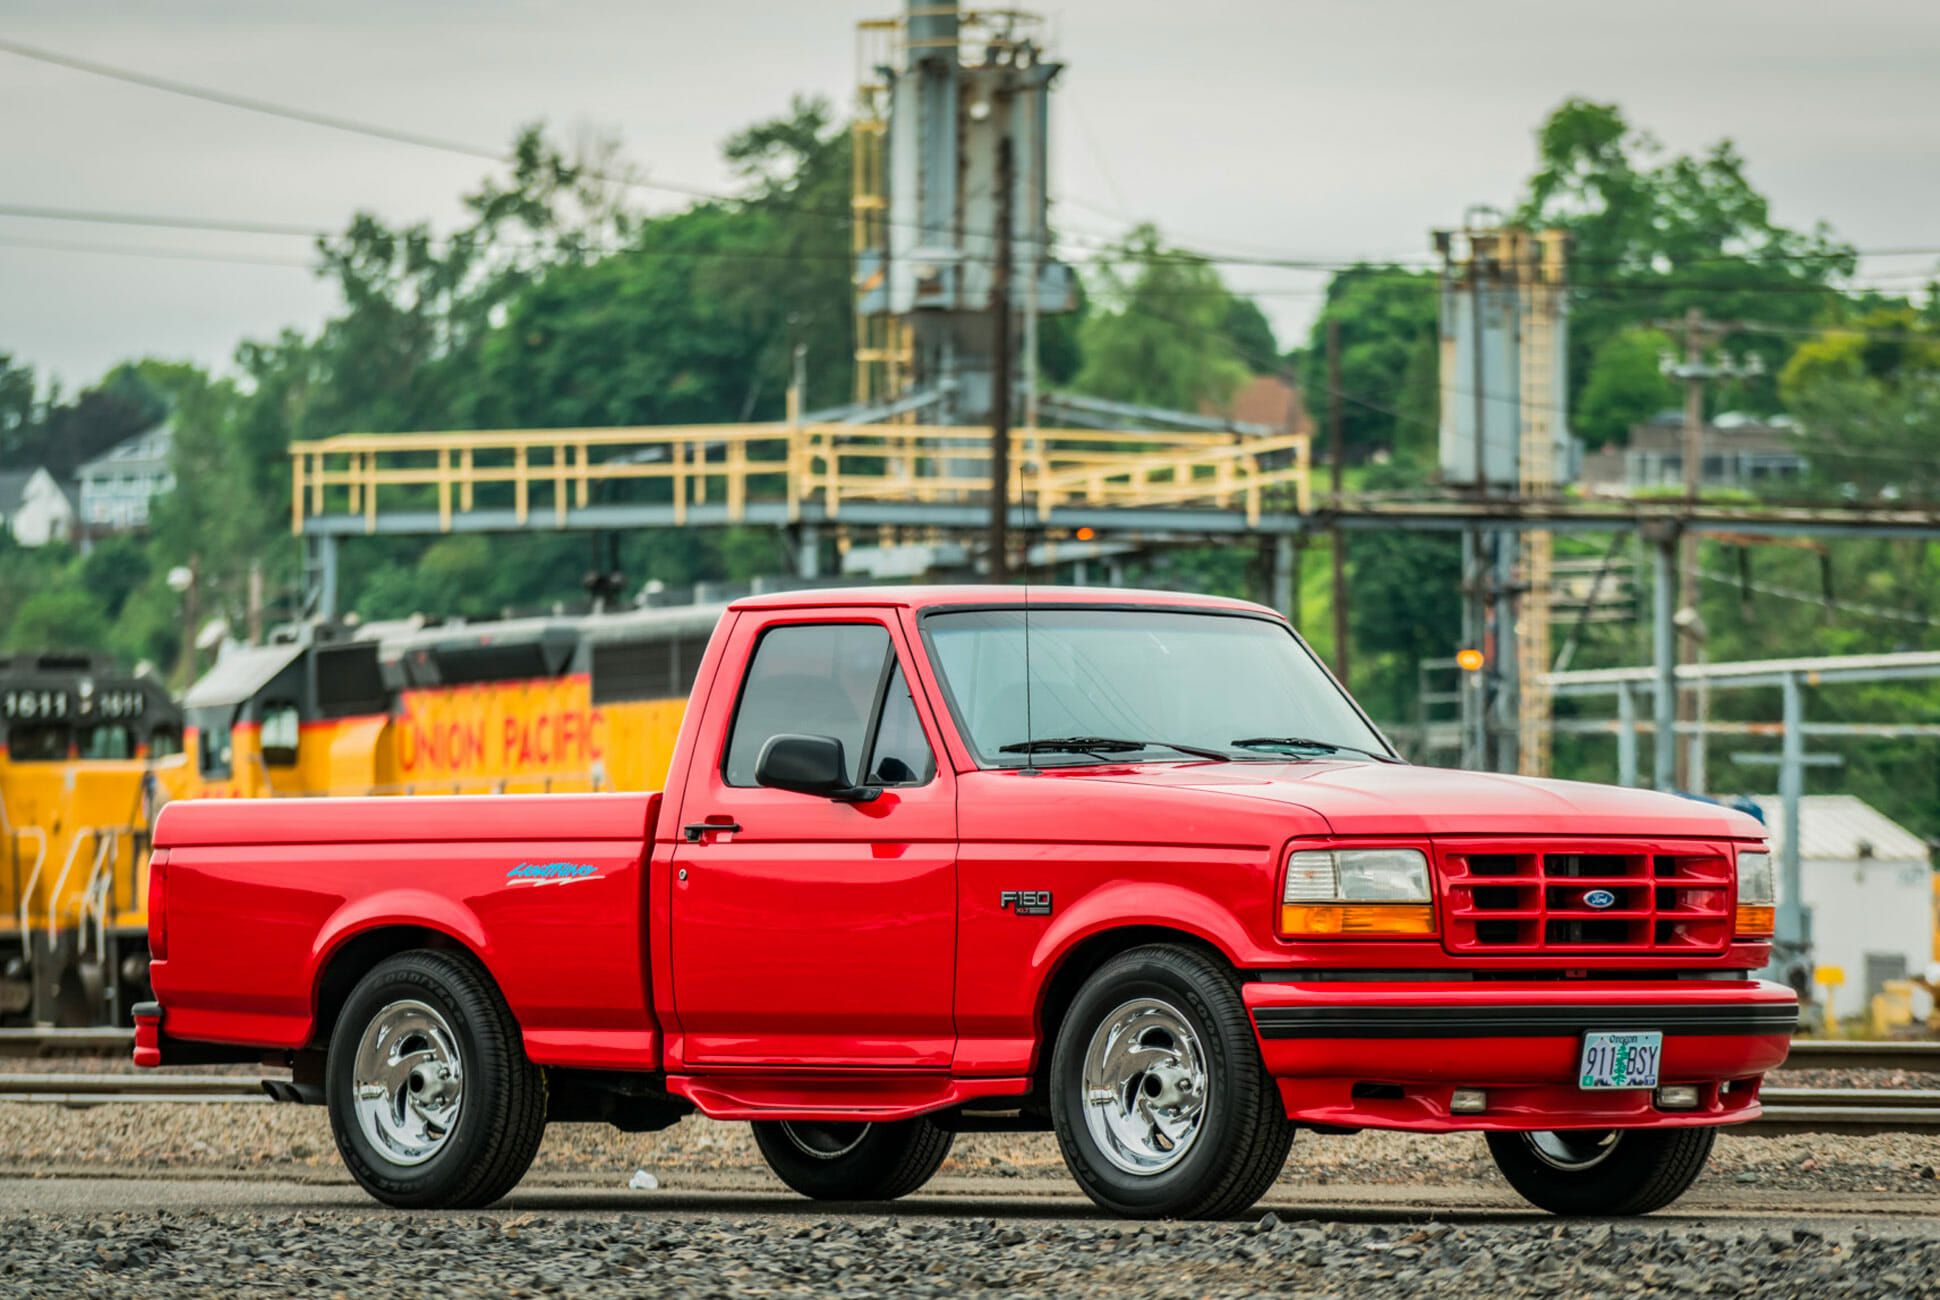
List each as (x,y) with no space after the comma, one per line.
(1356,798)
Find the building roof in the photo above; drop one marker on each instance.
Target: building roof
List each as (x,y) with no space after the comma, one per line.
(151,444)
(1837,827)
(1268,401)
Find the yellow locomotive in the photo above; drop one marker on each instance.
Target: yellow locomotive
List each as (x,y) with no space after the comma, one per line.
(592,702)
(87,754)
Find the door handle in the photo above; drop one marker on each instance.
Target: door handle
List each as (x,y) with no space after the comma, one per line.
(694,830)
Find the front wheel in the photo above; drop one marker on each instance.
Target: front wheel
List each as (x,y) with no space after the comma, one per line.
(1602,1171)
(431,1097)
(853,1162)
(1161,1104)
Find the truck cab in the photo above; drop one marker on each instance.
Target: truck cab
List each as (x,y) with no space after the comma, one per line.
(1127,866)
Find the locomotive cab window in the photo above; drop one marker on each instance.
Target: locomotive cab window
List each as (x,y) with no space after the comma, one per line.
(164,741)
(213,743)
(281,727)
(29,743)
(106,740)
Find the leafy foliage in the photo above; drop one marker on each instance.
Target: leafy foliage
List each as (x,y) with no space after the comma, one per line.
(1163,329)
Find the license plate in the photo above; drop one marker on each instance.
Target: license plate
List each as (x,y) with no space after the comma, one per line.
(1620,1060)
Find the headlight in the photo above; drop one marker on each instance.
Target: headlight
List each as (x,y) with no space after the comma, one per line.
(1757,897)
(1755,878)
(1356,893)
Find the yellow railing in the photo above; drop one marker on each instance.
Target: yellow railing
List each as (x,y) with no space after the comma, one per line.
(828,465)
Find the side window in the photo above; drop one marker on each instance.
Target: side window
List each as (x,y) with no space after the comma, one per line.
(816,679)
(902,753)
(164,740)
(213,748)
(281,726)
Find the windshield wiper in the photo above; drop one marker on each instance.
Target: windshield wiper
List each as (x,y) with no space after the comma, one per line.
(1304,742)
(1107,745)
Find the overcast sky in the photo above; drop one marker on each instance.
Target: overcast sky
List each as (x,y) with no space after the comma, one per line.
(1308,128)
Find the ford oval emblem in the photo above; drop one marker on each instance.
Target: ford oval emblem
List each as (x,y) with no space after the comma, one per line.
(1599,899)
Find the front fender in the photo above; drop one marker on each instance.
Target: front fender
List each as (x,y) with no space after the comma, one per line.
(1138,904)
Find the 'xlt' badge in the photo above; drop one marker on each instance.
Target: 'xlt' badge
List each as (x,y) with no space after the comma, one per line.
(1026,902)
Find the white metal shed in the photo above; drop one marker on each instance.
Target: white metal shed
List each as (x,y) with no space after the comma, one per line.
(1868,885)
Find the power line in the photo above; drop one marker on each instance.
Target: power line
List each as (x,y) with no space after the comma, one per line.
(394,135)
(168,254)
(426,140)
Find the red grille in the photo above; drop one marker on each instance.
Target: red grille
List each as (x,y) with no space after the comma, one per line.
(1524,898)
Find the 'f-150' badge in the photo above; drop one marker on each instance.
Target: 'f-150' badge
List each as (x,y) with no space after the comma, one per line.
(1025,902)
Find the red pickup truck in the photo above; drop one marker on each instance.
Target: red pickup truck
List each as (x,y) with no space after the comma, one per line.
(1127,866)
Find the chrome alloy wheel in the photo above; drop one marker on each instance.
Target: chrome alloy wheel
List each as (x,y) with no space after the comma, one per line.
(1145,1086)
(408,1082)
(824,1141)
(1573,1149)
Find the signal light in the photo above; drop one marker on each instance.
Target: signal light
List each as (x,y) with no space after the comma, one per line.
(1469,661)
(1086,534)
(1356,920)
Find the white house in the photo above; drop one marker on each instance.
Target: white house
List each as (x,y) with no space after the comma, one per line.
(1868,884)
(117,485)
(35,508)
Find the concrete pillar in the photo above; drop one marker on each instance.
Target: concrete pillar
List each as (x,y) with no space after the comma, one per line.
(1626,734)
(1791,788)
(808,551)
(323,573)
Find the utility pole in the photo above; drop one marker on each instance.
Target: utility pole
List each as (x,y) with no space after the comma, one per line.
(1337,454)
(1698,333)
(999,546)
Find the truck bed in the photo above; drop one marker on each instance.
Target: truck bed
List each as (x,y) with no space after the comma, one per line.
(547,891)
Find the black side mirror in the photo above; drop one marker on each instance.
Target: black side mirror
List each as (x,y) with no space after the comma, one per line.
(809,765)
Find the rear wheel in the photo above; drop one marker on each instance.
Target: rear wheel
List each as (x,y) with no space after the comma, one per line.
(853,1162)
(431,1097)
(1161,1104)
(1602,1171)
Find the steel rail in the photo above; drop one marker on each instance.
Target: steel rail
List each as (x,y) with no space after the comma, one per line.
(1786,1110)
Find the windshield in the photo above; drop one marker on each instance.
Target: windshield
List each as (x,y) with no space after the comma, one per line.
(1156,677)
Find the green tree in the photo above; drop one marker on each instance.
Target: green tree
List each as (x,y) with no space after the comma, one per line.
(1624,386)
(59,618)
(1159,328)
(1651,235)
(1389,361)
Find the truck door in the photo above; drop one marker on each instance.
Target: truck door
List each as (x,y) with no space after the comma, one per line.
(807,931)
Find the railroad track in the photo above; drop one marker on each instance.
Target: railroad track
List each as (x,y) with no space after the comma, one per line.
(1787,1110)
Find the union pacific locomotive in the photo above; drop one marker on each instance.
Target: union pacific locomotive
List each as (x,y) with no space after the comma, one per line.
(85,753)
(592,702)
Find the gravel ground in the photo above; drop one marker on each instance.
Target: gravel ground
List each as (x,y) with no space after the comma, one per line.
(526,1254)
(295,1140)
(291,1246)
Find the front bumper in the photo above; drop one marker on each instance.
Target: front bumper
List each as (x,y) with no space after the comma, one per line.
(1392,1054)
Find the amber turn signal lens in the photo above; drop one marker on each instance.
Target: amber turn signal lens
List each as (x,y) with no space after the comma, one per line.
(1357,920)
(1756,921)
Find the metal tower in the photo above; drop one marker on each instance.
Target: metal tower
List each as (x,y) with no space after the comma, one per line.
(939,88)
(1505,433)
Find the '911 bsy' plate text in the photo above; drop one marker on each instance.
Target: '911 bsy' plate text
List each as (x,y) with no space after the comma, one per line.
(1621,1060)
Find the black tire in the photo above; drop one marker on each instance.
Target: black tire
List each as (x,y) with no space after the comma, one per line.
(1241,1146)
(1619,1172)
(500,1113)
(853,1162)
